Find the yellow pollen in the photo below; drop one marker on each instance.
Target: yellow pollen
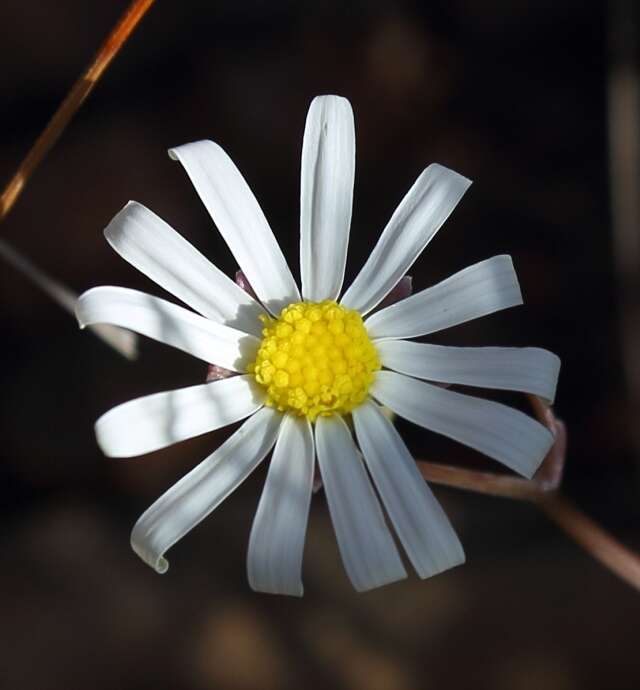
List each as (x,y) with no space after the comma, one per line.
(315,359)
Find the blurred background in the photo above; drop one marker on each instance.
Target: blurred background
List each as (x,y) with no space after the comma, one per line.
(524,98)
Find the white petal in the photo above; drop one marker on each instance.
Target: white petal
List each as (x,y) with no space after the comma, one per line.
(524,369)
(156,421)
(168,323)
(423,528)
(367,548)
(274,562)
(240,220)
(157,250)
(413,224)
(507,435)
(326,196)
(198,493)
(477,290)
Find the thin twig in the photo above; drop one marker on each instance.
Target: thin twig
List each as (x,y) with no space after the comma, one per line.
(594,539)
(120,339)
(74,99)
(487,483)
(542,491)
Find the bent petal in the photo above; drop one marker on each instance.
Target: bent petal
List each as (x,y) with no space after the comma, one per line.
(276,544)
(240,220)
(476,291)
(144,240)
(422,525)
(198,493)
(156,421)
(413,224)
(524,369)
(368,552)
(326,196)
(169,324)
(502,433)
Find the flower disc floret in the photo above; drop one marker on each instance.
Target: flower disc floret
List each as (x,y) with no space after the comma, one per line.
(315,359)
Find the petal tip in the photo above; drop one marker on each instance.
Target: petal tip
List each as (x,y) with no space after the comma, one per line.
(152,558)
(464,181)
(78,311)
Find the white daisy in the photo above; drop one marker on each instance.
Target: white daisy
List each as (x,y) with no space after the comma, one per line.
(309,363)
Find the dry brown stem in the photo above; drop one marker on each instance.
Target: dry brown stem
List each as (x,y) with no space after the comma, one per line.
(74,99)
(543,491)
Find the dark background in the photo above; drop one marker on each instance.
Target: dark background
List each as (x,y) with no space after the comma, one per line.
(511,94)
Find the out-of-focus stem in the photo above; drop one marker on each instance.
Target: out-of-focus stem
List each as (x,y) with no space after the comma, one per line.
(594,539)
(125,342)
(74,99)
(623,97)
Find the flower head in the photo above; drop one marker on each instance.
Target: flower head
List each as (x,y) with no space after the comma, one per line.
(315,359)
(313,370)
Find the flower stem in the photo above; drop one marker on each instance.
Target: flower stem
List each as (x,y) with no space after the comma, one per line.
(594,539)
(542,491)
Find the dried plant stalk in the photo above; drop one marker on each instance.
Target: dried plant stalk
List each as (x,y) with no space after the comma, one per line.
(72,102)
(543,491)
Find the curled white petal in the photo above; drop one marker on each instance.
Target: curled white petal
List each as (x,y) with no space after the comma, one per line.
(368,552)
(476,291)
(413,224)
(502,433)
(159,420)
(276,544)
(151,245)
(169,324)
(525,369)
(240,221)
(422,526)
(198,493)
(326,196)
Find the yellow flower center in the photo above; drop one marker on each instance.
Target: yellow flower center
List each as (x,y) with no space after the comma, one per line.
(315,359)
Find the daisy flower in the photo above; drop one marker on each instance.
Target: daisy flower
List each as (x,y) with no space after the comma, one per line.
(314,369)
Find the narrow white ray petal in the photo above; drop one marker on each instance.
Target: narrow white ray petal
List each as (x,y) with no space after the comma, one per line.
(368,552)
(524,369)
(240,220)
(477,290)
(124,342)
(156,421)
(144,240)
(413,224)
(169,324)
(198,493)
(423,527)
(326,196)
(274,562)
(502,433)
